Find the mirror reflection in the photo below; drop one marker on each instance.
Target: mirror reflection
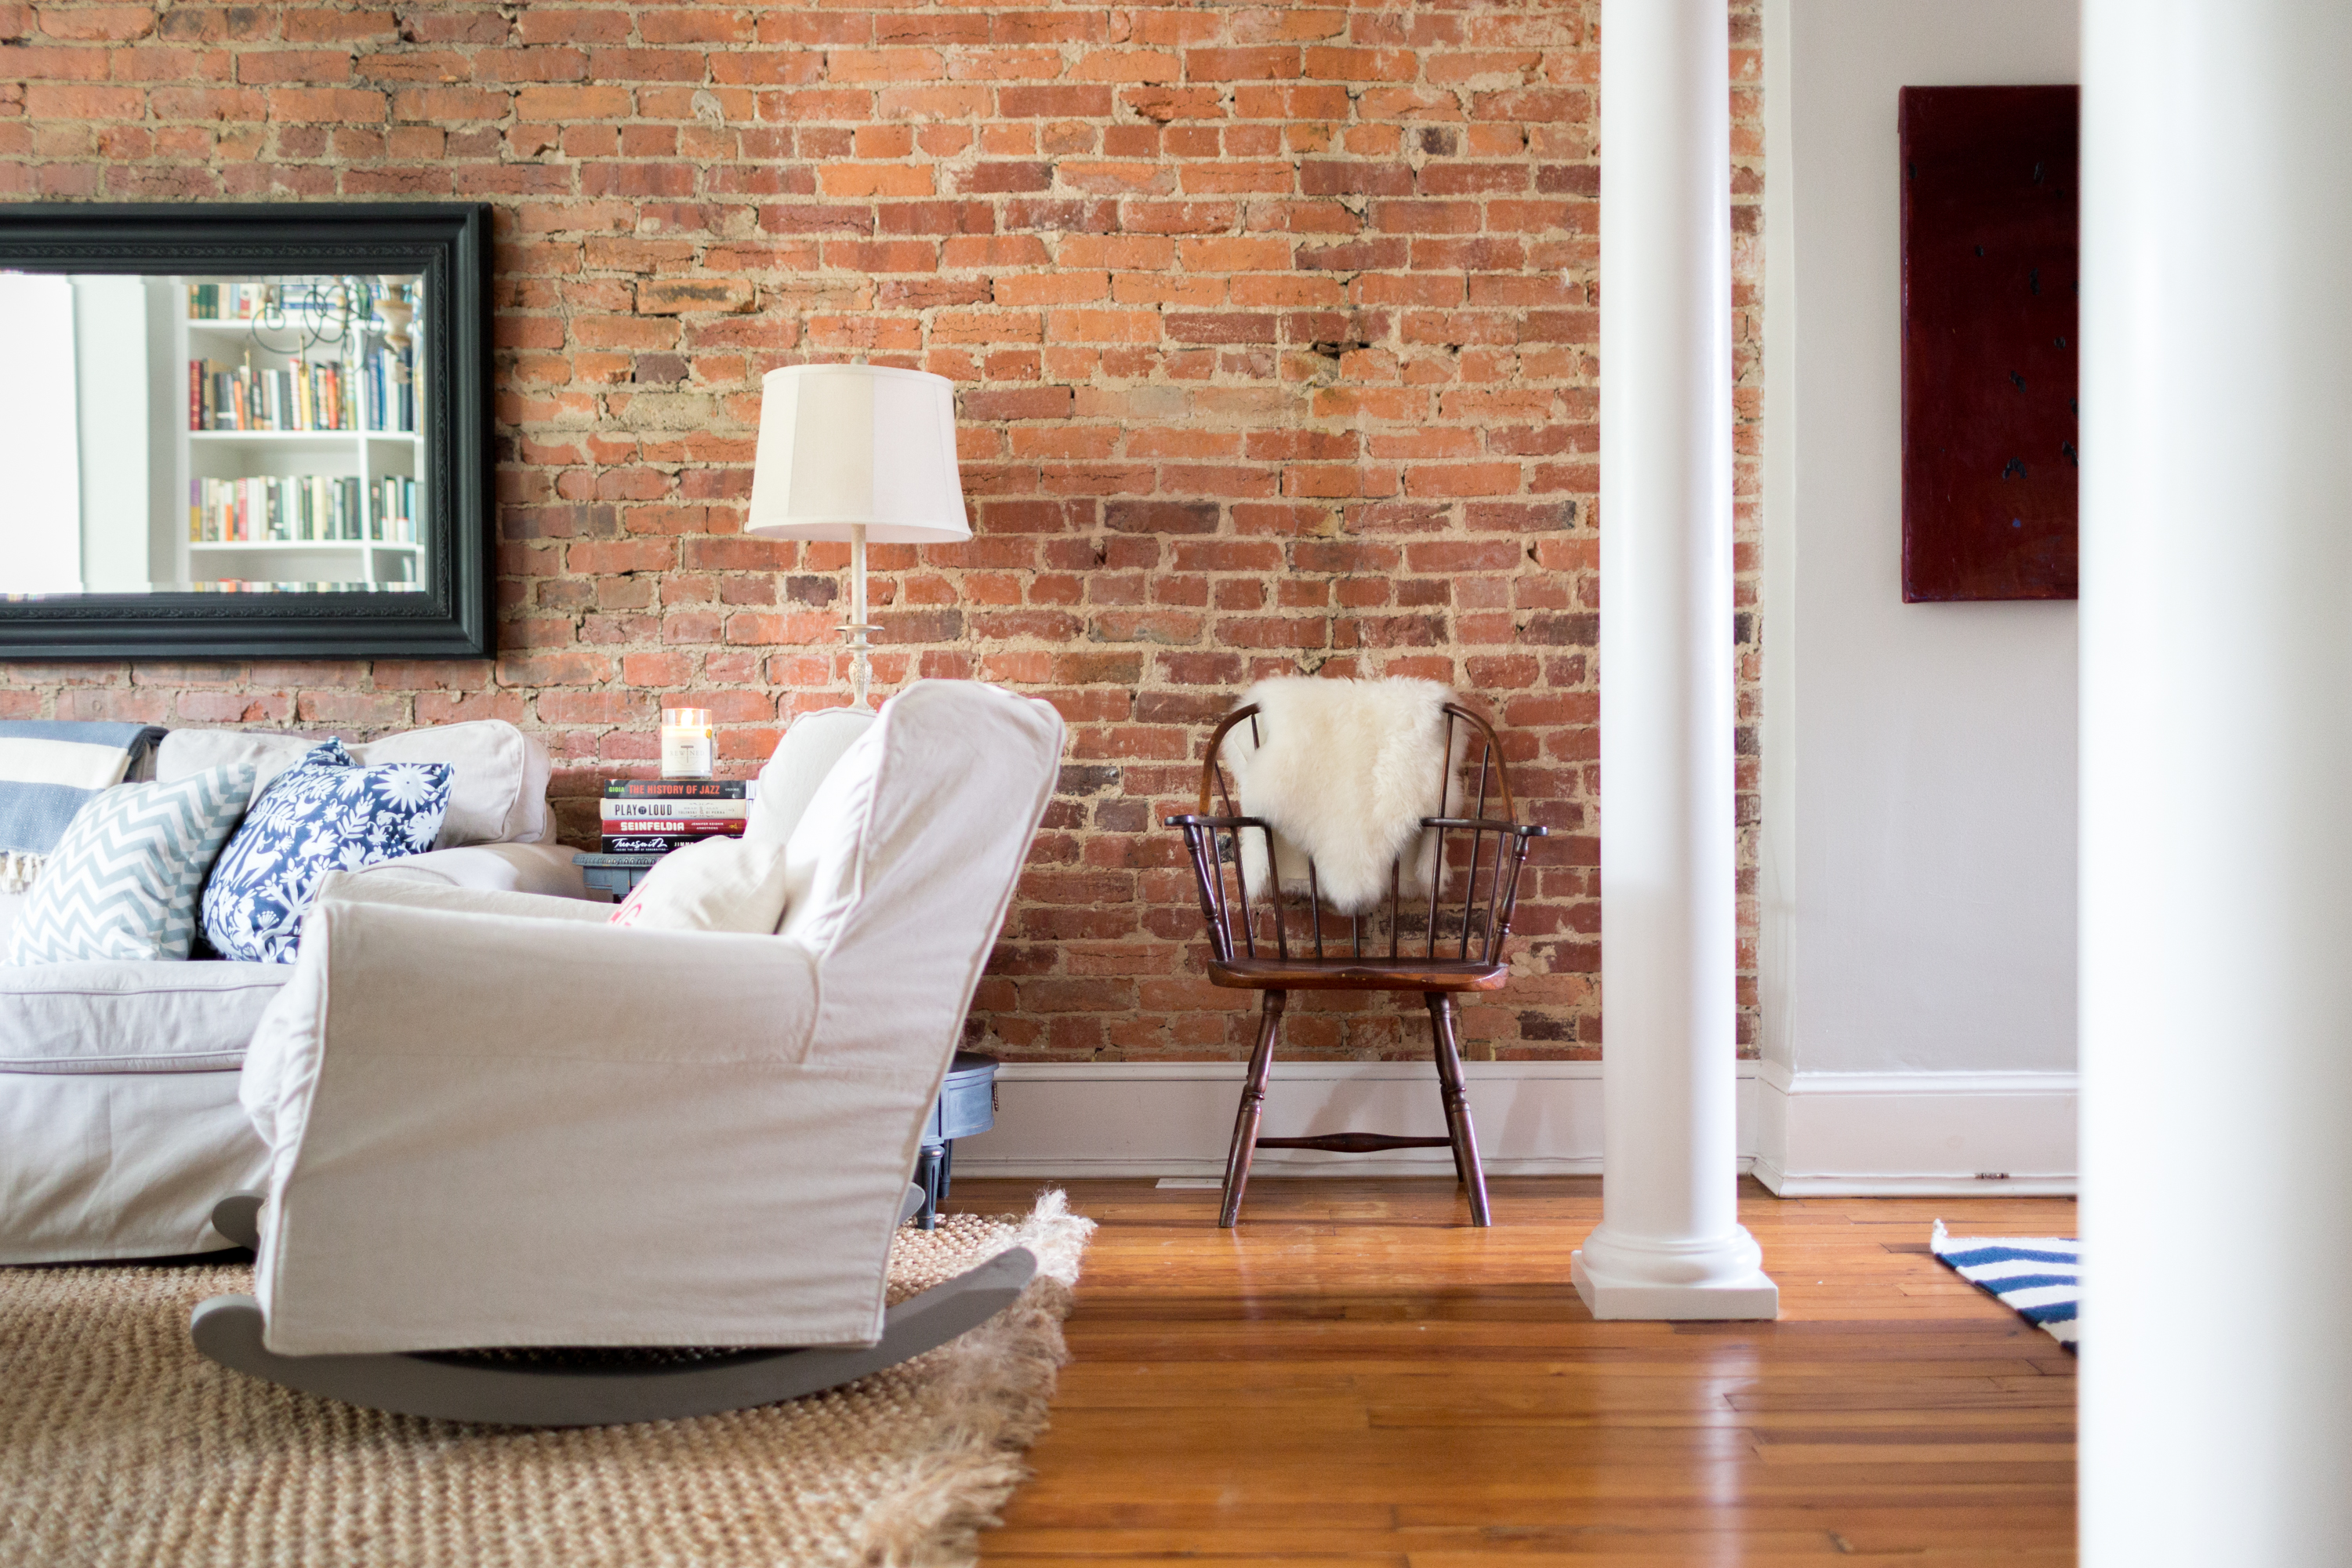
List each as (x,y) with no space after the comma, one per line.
(211,434)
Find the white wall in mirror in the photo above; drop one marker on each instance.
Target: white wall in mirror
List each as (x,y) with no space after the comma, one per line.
(40,526)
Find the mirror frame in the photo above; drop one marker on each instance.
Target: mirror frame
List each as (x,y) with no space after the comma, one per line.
(449,244)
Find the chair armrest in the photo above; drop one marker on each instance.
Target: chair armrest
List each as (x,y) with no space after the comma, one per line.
(372,886)
(1224,910)
(1489,825)
(490,1128)
(437,974)
(544,868)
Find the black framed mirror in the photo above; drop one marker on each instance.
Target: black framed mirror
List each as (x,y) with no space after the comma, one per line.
(240,431)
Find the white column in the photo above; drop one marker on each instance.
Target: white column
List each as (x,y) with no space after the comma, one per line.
(2217,784)
(1670,1243)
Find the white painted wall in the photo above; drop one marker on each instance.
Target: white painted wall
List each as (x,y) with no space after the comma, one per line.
(1919,888)
(1916,857)
(40,527)
(112,395)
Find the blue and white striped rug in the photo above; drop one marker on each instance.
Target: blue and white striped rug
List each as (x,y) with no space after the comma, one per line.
(2033,1276)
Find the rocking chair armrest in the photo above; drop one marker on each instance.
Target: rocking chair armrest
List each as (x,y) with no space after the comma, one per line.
(1488,824)
(452,981)
(523,1101)
(1481,824)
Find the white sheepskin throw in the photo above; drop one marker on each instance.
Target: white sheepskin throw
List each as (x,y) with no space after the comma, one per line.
(1344,771)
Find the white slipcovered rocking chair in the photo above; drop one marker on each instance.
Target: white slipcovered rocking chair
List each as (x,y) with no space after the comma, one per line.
(496,1122)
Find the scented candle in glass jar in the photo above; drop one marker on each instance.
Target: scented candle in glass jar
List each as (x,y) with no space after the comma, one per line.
(686,744)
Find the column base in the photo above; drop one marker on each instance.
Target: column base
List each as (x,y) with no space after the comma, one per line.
(1753,1298)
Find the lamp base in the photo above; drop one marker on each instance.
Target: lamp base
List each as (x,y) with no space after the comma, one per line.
(861,667)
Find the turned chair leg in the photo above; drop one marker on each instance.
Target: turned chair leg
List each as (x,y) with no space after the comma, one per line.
(1457,1105)
(1237,1162)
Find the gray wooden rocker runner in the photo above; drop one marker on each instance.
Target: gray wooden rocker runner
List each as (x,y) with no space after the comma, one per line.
(580,1389)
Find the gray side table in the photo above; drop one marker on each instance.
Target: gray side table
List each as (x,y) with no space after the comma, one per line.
(967,1104)
(614,875)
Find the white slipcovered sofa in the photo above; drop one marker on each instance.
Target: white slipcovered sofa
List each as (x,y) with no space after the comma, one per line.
(119,1124)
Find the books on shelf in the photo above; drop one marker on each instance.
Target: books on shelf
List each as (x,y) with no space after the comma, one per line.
(284,586)
(653,817)
(365,392)
(391,511)
(226,301)
(296,301)
(302,507)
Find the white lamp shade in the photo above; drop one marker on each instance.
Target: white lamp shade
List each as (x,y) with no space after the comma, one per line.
(842,445)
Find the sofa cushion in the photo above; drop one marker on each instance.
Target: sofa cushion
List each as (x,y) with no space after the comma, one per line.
(499,796)
(122,881)
(323,815)
(121,1015)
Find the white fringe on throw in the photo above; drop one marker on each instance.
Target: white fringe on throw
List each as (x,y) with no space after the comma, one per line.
(1344,771)
(18,870)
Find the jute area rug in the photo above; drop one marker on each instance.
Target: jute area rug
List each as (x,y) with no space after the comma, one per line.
(120,1445)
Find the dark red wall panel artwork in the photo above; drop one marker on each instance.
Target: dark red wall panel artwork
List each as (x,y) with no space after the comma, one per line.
(1990,275)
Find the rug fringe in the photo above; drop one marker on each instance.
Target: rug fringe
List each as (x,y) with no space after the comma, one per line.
(991,1405)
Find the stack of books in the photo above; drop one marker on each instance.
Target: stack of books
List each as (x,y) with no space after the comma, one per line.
(653,817)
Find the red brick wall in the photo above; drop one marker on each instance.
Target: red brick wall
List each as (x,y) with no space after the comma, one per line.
(1276,338)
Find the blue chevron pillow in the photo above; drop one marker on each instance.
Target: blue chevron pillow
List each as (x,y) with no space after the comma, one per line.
(122,881)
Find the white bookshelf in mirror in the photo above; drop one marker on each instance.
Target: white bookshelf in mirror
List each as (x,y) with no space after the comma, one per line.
(302,442)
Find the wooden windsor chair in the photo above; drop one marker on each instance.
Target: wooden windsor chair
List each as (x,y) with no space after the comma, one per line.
(1260,940)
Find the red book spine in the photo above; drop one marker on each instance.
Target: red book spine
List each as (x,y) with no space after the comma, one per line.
(195,394)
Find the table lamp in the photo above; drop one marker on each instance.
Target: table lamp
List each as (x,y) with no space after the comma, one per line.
(857,452)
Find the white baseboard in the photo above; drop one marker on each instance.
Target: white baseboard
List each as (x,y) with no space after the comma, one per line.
(1807,1134)
(1928,1134)
(1176,1119)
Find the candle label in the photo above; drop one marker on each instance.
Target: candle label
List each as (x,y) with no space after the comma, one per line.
(685,754)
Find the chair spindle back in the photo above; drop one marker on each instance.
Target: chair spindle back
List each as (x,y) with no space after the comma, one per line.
(1247,920)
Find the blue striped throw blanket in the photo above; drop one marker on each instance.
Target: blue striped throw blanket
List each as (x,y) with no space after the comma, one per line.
(2036,1277)
(49,768)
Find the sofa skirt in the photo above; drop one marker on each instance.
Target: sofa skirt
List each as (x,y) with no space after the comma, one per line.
(102,1165)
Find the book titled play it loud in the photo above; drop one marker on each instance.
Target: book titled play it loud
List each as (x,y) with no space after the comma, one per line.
(653,817)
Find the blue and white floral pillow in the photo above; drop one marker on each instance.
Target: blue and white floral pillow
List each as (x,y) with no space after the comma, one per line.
(324,814)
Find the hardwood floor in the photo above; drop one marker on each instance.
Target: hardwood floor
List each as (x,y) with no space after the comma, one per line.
(1357,1377)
